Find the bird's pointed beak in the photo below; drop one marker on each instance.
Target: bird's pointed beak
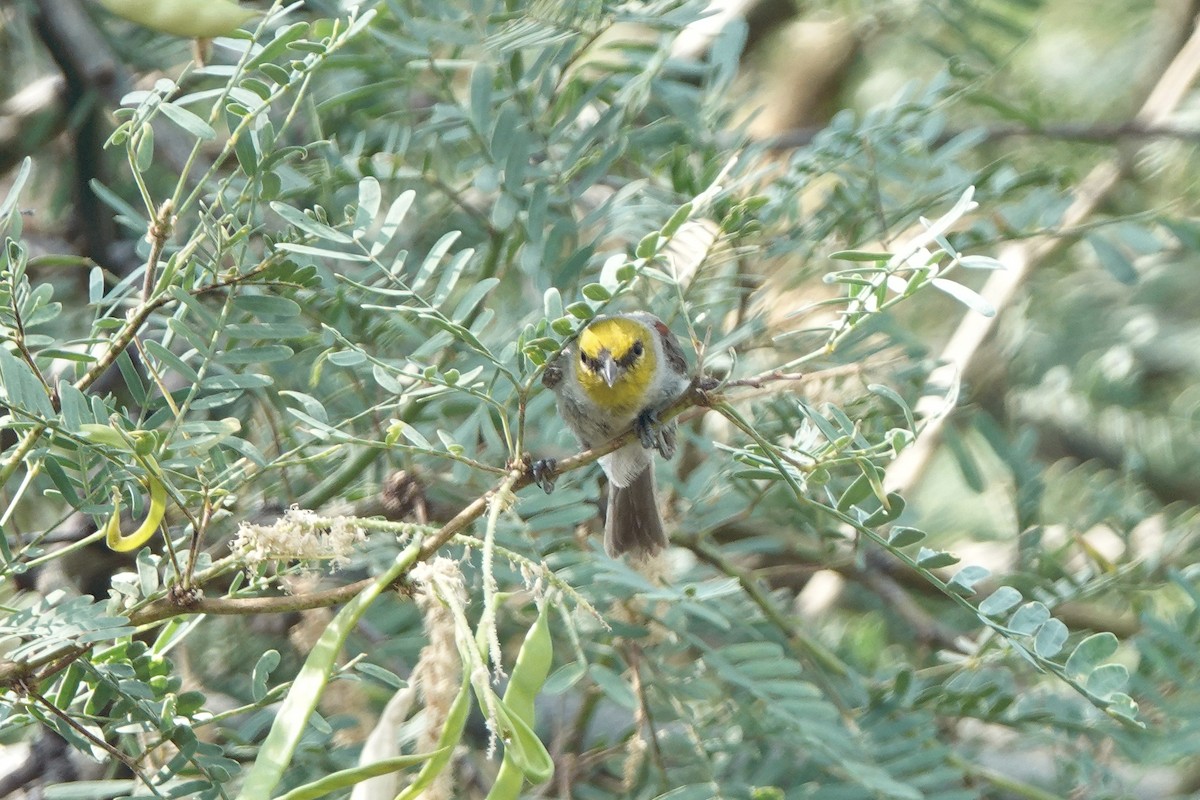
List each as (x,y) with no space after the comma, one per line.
(609,369)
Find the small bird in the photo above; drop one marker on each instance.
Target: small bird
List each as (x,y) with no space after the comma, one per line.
(622,371)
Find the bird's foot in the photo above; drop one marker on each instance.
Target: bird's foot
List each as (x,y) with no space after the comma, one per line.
(545,473)
(653,434)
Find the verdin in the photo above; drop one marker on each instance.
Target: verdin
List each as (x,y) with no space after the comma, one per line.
(621,372)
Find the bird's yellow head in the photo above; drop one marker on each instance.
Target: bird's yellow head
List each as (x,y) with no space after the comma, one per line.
(616,363)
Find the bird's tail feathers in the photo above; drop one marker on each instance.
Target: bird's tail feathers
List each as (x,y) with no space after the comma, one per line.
(633,523)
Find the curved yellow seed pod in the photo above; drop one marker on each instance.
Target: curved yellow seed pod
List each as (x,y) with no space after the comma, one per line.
(183,17)
(158,508)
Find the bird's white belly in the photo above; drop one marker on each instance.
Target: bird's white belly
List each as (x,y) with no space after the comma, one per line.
(624,465)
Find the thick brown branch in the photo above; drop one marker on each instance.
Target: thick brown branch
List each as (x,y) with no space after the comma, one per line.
(233,606)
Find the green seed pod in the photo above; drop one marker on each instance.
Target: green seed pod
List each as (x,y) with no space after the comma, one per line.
(523,759)
(183,17)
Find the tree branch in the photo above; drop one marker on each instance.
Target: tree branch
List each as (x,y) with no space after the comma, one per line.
(692,404)
(959,356)
(1100,133)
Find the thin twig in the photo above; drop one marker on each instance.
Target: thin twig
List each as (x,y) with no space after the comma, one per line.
(91,737)
(925,626)
(815,655)
(810,649)
(160,230)
(1007,783)
(643,718)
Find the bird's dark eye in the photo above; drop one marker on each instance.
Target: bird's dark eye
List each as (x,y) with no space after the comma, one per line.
(637,347)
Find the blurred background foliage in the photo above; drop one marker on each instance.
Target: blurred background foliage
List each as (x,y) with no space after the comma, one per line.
(370,224)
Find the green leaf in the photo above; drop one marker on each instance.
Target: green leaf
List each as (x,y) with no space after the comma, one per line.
(934,559)
(1000,601)
(320,252)
(434,259)
(981,262)
(347,358)
(392,221)
(168,359)
(369,198)
(22,387)
(877,780)
(245,149)
(893,509)
(967,577)
(117,203)
(613,685)
(13,195)
(147,573)
(1107,679)
(968,297)
(859,255)
(890,394)
(1114,261)
(472,298)
(1091,652)
(144,149)
(262,671)
(267,305)
(903,536)
(677,219)
(188,121)
(596,292)
(1029,618)
(279,44)
(1050,639)
(399,429)
(261,354)
(859,490)
(648,246)
(384,676)
(345,778)
(482,79)
(1123,708)
(564,678)
(451,274)
(301,221)
(311,405)
(552,305)
(580,311)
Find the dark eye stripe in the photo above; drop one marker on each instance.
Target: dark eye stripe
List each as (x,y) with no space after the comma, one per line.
(626,361)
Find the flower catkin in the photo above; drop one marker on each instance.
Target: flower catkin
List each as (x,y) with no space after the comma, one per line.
(299,535)
(438,672)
